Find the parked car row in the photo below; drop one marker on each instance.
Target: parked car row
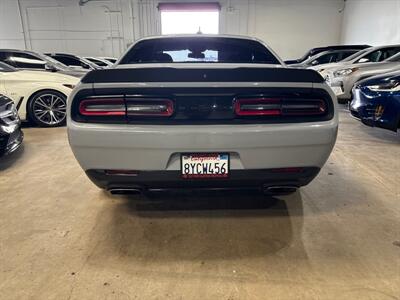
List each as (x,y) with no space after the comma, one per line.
(367,79)
(39,84)
(55,62)
(342,68)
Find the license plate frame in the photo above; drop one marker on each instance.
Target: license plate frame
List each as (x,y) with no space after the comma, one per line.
(223,156)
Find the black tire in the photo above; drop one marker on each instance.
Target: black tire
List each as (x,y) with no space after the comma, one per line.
(48,108)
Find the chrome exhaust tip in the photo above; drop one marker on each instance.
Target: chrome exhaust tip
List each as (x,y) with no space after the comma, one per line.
(280,190)
(125,191)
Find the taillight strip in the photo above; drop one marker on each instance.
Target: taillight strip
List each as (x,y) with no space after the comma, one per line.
(102,107)
(150,107)
(306,107)
(258,107)
(279,107)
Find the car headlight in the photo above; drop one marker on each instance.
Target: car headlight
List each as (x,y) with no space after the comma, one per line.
(70,86)
(344,72)
(391,86)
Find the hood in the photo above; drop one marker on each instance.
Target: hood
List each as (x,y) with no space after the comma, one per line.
(49,76)
(382,78)
(330,66)
(74,73)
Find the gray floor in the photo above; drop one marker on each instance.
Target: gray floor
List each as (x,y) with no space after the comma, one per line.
(338,238)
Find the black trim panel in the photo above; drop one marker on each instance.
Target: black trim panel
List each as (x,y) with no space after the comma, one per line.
(253,178)
(202,75)
(202,106)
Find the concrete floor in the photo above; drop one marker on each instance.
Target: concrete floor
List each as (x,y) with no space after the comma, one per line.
(338,238)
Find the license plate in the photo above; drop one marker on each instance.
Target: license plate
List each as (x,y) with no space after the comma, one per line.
(205,165)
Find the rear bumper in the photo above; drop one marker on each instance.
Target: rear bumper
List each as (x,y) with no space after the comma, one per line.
(238,179)
(158,148)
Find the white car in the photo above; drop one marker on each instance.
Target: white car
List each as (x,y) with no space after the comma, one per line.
(40,97)
(343,80)
(201,112)
(366,56)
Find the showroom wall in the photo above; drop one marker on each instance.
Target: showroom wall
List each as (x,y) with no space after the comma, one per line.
(370,21)
(108,27)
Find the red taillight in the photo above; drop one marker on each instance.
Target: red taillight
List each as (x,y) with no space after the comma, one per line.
(102,107)
(149,107)
(279,107)
(258,107)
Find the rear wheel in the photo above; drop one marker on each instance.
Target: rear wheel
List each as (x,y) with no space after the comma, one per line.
(48,109)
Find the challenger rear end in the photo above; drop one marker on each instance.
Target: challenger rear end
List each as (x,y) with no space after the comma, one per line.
(201,112)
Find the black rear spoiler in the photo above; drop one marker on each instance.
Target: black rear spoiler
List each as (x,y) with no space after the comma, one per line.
(202,75)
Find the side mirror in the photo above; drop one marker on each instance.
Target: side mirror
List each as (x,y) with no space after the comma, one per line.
(363,60)
(50,68)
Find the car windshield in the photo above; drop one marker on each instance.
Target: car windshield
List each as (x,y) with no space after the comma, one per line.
(355,55)
(6,68)
(394,58)
(97,61)
(199,50)
(54,62)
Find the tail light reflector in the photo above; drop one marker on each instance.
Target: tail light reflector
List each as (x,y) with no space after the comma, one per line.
(150,107)
(304,107)
(279,107)
(258,107)
(102,107)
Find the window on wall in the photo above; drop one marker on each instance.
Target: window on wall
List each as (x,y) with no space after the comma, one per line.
(187,18)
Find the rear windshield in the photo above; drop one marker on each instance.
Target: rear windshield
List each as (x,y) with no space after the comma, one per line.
(199,50)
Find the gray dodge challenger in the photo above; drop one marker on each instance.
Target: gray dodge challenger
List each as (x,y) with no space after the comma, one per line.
(201,112)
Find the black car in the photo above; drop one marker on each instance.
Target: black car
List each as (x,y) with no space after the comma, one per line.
(315,51)
(29,60)
(11,135)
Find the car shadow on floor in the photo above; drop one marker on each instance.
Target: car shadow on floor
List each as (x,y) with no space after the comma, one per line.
(382,135)
(205,227)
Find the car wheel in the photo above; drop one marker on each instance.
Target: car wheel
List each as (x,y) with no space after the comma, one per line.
(48,109)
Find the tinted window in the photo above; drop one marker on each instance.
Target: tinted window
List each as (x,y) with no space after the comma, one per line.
(97,62)
(199,50)
(355,55)
(24,61)
(6,68)
(67,60)
(325,59)
(395,58)
(70,61)
(112,60)
(346,54)
(379,55)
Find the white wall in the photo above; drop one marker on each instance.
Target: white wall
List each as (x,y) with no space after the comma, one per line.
(290,27)
(371,21)
(10,25)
